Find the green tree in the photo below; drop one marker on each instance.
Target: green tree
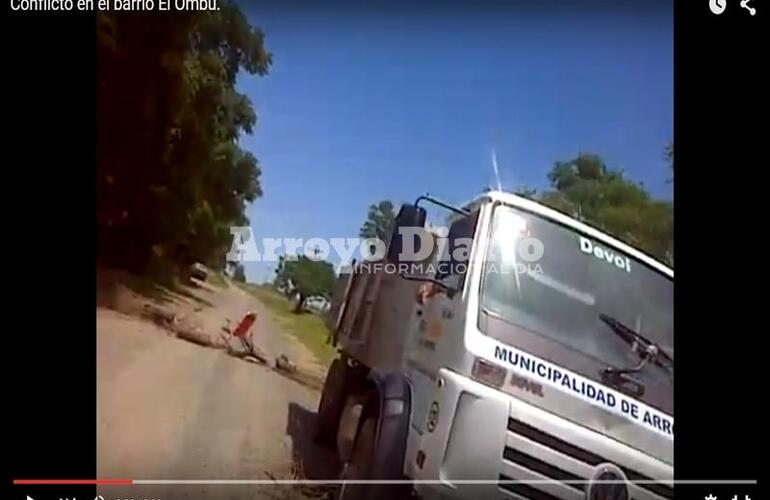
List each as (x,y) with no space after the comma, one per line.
(281,281)
(379,223)
(171,178)
(239,273)
(526,192)
(306,278)
(585,188)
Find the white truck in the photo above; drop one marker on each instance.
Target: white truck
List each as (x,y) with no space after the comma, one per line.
(530,357)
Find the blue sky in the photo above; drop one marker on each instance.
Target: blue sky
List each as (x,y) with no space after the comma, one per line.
(363,104)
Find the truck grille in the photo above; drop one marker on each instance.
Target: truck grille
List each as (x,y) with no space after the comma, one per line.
(550,471)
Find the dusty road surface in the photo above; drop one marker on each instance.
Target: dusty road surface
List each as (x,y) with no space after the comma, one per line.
(171,409)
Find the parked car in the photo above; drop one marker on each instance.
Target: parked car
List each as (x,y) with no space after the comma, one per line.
(199,271)
(317,304)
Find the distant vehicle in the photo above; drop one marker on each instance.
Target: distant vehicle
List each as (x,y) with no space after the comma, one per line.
(502,367)
(317,304)
(198,271)
(286,289)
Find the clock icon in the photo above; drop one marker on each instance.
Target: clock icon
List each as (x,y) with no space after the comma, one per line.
(717,6)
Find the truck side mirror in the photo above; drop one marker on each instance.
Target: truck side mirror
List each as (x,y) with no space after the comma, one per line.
(459,240)
(408,216)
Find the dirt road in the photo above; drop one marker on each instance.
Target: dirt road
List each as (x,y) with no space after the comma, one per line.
(171,409)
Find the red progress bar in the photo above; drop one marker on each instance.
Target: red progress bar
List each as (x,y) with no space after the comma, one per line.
(73,481)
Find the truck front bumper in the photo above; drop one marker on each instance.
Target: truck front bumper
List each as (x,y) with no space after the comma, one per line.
(481,443)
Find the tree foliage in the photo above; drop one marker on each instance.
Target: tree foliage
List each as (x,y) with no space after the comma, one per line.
(380,220)
(171,178)
(527,192)
(239,273)
(586,189)
(305,277)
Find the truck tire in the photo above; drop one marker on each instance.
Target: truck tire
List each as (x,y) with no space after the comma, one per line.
(331,404)
(376,456)
(359,467)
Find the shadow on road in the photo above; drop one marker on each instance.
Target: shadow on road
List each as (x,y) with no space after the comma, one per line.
(164,289)
(312,461)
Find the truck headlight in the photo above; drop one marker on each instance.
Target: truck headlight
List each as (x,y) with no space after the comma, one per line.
(488,373)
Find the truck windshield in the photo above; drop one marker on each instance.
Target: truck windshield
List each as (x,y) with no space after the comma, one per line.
(556,282)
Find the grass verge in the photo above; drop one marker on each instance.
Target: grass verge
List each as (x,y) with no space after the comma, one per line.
(308,328)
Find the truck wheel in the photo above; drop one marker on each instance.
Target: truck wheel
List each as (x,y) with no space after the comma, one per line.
(359,467)
(331,405)
(371,460)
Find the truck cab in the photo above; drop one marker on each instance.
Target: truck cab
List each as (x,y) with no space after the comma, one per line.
(520,354)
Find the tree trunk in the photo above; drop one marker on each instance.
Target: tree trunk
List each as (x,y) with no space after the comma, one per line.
(300,303)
